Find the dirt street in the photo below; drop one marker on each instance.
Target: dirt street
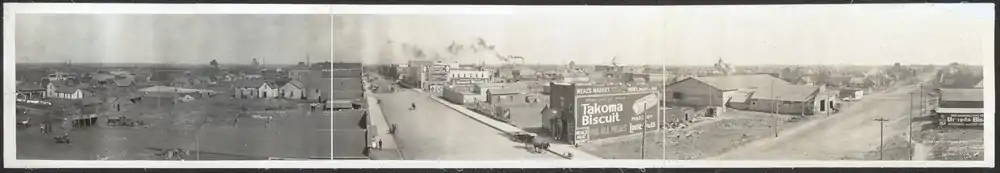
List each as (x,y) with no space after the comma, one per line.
(849,133)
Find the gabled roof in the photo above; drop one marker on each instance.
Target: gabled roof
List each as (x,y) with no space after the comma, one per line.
(735,82)
(787,93)
(296,84)
(961,95)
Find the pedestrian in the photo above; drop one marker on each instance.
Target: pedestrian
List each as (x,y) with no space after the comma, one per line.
(374,145)
(380,144)
(42,126)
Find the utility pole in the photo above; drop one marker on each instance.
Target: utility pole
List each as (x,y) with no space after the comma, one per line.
(642,148)
(773,114)
(881,133)
(909,126)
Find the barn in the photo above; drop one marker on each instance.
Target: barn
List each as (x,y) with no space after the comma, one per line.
(715,92)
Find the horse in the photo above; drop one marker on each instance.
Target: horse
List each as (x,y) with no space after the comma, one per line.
(540,146)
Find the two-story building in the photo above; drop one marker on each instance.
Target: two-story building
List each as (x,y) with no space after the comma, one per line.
(960,107)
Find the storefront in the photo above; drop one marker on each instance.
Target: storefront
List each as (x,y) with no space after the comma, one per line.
(960,116)
(595,112)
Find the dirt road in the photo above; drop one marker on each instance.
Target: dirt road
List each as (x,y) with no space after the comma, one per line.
(850,132)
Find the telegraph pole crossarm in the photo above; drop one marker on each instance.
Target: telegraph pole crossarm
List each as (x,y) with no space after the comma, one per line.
(881,133)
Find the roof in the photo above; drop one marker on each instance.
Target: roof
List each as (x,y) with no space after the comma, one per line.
(740,96)
(503,91)
(787,93)
(959,110)
(249,83)
(29,86)
(296,84)
(123,82)
(961,94)
(759,81)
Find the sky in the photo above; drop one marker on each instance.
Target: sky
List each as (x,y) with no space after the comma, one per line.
(879,34)
(172,38)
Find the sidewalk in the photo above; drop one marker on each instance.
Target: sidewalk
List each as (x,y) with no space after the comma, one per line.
(559,149)
(390,151)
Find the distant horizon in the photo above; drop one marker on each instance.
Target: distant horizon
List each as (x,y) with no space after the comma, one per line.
(741,35)
(172,38)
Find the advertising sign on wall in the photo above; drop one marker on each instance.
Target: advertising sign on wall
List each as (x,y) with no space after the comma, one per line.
(962,120)
(604,116)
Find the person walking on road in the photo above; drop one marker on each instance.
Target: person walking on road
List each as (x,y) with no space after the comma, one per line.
(380,144)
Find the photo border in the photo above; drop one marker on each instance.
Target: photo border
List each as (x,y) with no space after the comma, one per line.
(10,160)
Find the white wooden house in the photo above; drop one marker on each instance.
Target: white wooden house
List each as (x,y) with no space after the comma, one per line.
(293,90)
(267,91)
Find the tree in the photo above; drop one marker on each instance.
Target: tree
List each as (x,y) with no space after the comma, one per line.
(214,63)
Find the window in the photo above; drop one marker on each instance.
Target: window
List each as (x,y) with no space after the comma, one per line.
(678,95)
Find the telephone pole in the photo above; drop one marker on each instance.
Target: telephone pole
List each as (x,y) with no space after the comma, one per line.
(642,148)
(774,115)
(881,133)
(909,126)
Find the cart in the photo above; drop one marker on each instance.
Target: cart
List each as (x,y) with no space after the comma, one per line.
(64,139)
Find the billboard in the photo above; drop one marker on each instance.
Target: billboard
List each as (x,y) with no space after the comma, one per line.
(962,120)
(611,115)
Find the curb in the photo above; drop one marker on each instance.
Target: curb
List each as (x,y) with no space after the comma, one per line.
(439,101)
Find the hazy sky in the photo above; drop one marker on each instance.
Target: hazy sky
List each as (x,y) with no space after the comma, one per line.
(197,39)
(741,35)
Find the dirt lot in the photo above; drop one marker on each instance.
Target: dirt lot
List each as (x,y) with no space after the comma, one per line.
(949,143)
(894,148)
(703,139)
(212,121)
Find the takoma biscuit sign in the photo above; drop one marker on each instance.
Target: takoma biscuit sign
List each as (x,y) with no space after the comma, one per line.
(616,113)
